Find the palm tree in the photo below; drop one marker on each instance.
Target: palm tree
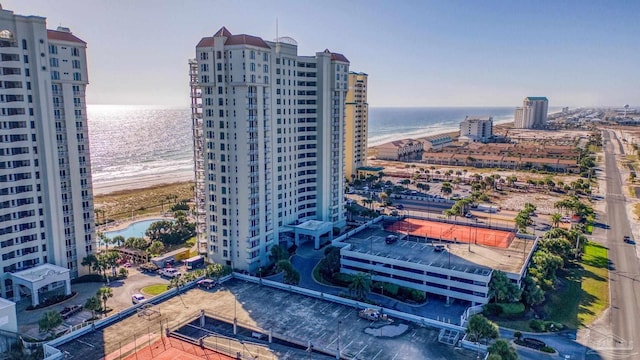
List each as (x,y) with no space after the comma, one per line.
(155,248)
(360,285)
(93,304)
(89,261)
(104,293)
(555,219)
(49,321)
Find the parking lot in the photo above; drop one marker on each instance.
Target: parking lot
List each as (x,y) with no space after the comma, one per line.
(291,315)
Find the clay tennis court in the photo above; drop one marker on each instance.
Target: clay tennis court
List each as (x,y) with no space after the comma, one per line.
(453,232)
(174,349)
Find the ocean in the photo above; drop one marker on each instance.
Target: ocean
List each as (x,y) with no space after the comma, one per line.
(132,141)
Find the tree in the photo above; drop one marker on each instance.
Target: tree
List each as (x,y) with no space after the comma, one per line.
(330,264)
(216,271)
(558,246)
(104,293)
(555,219)
(118,240)
(93,304)
(278,253)
(155,248)
(522,220)
(532,293)
(360,285)
(446,188)
(89,261)
(177,282)
(501,289)
(480,328)
(291,275)
(49,321)
(502,348)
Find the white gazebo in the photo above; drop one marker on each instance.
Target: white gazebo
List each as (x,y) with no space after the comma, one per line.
(313,228)
(46,276)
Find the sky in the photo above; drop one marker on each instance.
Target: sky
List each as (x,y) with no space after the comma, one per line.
(417,53)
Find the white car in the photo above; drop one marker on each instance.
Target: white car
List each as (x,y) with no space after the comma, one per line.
(138,298)
(169,272)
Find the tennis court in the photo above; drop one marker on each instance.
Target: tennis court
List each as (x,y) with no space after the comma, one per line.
(453,232)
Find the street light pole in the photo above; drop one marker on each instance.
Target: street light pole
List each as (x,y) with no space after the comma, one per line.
(338,352)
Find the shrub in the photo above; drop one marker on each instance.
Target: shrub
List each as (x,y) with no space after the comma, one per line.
(418,296)
(537,325)
(517,335)
(492,309)
(342,279)
(547,349)
(88,279)
(512,309)
(51,301)
(391,289)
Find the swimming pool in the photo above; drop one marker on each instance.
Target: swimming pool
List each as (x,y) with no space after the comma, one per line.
(135,229)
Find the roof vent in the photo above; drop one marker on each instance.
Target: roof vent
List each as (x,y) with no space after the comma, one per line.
(64,29)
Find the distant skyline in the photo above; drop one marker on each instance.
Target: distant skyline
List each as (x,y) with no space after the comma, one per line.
(417,53)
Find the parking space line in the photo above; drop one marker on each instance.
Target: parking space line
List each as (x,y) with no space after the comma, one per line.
(361,350)
(344,348)
(347,315)
(395,356)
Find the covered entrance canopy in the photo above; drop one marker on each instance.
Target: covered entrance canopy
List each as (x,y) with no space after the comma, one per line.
(314,228)
(41,279)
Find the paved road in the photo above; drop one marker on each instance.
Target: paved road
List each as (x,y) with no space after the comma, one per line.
(625,269)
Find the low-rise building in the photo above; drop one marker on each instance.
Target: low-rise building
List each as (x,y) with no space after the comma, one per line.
(399,149)
(453,270)
(435,142)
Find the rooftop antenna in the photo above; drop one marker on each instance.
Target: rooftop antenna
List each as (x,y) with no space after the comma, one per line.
(277,38)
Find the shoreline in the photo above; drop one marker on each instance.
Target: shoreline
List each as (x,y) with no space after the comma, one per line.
(150,181)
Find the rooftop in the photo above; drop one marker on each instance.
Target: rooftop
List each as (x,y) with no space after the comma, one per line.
(474,258)
(39,272)
(63,34)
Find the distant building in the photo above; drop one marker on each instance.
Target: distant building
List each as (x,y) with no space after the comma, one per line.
(46,197)
(532,114)
(356,120)
(435,142)
(476,129)
(399,150)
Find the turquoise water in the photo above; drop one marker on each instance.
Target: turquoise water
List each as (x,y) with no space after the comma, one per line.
(136,229)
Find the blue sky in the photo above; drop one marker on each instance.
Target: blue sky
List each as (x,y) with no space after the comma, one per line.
(417,53)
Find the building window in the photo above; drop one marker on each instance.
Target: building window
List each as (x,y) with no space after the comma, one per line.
(55,75)
(53,62)
(75,52)
(77,76)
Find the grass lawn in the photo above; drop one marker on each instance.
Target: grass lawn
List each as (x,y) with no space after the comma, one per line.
(154,290)
(585,290)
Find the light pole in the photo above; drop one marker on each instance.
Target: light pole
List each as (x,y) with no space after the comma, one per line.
(338,352)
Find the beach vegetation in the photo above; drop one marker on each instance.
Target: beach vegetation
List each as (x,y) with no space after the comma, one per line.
(49,321)
(171,232)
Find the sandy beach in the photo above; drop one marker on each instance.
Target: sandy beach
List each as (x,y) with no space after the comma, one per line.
(140,182)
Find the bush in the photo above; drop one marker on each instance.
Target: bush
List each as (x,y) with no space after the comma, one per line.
(492,309)
(511,309)
(537,325)
(547,349)
(88,279)
(52,301)
(391,289)
(418,296)
(342,279)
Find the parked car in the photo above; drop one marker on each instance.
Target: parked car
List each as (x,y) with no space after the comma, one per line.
(69,311)
(468,215)
(628,240)
(206,284)
(127,265)
(138,298)
(169,272)
(391,239)
(399,206)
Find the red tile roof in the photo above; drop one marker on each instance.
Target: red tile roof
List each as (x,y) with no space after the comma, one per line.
(337,56)
(205,42)
(243,39)
(63,36)
(222,32)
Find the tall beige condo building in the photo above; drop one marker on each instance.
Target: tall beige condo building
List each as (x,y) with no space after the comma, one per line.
(46,199)
(532,114)
(356,121)
(268,130)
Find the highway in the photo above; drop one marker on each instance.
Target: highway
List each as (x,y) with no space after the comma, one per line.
(624,312)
